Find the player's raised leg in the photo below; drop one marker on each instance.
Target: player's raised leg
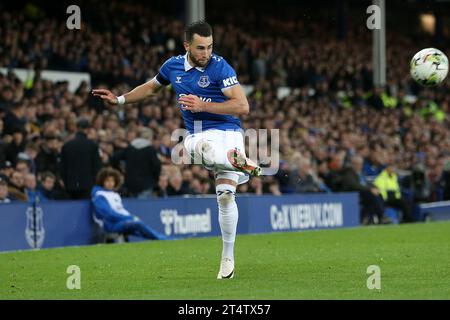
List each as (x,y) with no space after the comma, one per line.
(225,151)
(239,160)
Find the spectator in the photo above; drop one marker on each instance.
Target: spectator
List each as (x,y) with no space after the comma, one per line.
(165,149)
(176,187)
(195,187)
(48,158)
(16,146)
(14,120)
(6,99)
(23,166)
(146,115)
(109,211)
(16,186)
(2,146)
(375,100)
(273,188)
(445,181)
(372,166)
(47,187)
(283,178)
(80,162)
(255,186)
(334,176)
(4,197)
(141,164)
(304,179)
(32,192)
(243,188)
(6,171)
(207,186)
(188,177)
(29,155)
(162,188)
(387,183)
(371,202)
(417,185)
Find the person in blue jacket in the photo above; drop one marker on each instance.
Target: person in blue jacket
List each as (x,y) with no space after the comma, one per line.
(109,211)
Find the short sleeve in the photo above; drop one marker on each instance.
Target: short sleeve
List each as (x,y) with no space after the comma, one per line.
(163,76)
(227,76)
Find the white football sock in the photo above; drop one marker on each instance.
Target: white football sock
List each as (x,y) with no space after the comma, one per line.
(228,217)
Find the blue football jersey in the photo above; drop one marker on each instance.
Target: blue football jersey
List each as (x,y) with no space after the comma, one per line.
(207,83)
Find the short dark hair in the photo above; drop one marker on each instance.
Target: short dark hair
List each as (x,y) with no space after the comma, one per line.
(47,174)
(109,172)
(50,136)
(27,162)
(17,106)
(31,146)
(202,28)
(82,124)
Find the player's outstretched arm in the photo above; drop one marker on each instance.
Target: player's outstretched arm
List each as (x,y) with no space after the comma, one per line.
(236,104)
(137,94)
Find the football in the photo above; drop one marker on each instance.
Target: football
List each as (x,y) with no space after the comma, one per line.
(429,67)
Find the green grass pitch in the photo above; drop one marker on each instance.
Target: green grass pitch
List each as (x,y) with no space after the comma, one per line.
(414,261)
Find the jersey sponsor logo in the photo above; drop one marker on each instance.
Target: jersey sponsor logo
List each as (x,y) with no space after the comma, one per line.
(203,82)
(178,80)
(230,81)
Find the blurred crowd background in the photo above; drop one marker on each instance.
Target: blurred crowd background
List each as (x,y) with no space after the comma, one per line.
(337,131)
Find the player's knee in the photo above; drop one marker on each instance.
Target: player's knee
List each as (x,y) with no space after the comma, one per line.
(225,197)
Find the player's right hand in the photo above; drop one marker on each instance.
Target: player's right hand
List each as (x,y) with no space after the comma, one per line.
(105,95)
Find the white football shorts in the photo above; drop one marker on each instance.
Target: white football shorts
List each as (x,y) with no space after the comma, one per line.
(221,141)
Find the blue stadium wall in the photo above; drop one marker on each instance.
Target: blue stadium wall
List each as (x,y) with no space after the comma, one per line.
(69,223)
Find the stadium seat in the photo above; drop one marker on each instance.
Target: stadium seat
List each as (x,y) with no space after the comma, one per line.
(115,238)
(102,236)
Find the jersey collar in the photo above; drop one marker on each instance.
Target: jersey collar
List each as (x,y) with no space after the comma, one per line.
(187,65)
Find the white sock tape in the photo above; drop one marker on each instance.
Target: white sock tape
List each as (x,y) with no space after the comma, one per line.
(121,100)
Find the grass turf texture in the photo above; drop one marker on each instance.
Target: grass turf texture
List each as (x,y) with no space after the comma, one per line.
(329,264)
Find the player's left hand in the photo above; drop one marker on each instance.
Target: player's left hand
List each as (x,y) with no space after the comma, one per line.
(192,103)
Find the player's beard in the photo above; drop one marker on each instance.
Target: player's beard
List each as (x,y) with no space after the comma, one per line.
(197,63)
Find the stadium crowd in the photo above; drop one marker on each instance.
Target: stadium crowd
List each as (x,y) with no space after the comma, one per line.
(337,131)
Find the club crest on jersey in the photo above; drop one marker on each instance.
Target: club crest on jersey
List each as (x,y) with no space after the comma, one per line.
(203,82)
